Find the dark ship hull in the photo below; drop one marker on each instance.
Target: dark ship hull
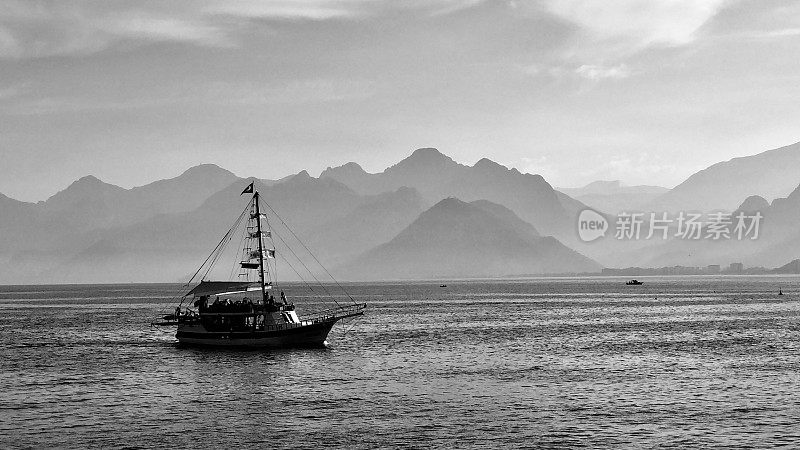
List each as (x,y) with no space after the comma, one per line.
(207,330)
(290,335)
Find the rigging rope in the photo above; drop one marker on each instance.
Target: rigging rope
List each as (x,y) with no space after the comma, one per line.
(217,249)
(312,255)
(224,242)
(236,263)
(311,288)
(307,269)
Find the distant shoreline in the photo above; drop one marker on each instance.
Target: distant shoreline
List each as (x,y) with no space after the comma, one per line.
(451,279)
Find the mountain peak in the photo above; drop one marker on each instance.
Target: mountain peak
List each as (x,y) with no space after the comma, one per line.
(346,170)
(206,170)
(423,161)
(449,202)
(352,166)
(83,189)
(754,203)
(301,177)
(428,153)
(488,164)
(302,181)
(405,190)
(91,184)
(426,156)
(88,179)
(458,239)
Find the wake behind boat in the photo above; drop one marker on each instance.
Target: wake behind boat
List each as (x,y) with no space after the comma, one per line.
(244,313)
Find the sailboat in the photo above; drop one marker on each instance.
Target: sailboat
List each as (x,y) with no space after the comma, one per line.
(244,312)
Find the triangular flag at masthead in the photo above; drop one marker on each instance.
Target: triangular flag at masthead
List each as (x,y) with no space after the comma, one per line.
(248,189)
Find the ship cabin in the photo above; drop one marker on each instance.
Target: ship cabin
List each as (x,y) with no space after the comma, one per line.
(237,306)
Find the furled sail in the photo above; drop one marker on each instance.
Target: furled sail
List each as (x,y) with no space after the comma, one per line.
(220,287)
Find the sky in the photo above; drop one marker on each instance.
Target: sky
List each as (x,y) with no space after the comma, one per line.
(645,91)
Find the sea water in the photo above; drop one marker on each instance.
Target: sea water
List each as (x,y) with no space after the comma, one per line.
(678,362)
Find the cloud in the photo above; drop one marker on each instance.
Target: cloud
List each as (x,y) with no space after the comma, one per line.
(594,72)
(631,25)
(608,36)
(156,28)
(306,91)
(333,9)
(764,35)
(36,28)
(444,7)
(14,91)
(72,104)
(287,9)
(41,29)
(31,29)
(786,32)
(759,20)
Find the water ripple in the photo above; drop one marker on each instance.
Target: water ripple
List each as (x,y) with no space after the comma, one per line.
(554,363)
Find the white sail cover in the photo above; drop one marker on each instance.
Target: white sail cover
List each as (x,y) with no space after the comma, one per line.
(221,287)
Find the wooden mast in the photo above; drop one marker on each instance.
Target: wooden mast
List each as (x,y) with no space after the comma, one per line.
(260,250)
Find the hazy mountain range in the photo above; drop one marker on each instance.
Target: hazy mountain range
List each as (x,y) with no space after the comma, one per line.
(94,231)
(426,216)
(478,237)
(437,176)
(778,239)
(614,197)
(725,185)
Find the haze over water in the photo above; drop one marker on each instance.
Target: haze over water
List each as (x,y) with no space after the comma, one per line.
(678,362)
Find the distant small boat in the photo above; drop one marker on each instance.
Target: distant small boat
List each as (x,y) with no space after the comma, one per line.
(442,285)
(780,291)
(634,282)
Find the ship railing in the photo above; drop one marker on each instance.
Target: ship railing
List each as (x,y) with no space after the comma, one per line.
(338,313)
(333,312)
(321,317)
